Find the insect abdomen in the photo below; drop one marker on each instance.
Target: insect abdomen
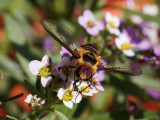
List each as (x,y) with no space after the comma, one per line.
(90,58)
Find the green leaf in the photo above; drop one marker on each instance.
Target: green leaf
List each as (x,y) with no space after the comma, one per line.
(60,115)
(32,89)
(24,64)
(66,111)
(14,30)
(50,116)
(10,68)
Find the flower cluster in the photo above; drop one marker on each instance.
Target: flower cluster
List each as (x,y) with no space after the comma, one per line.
(74,89)
(34,102)
(136,37)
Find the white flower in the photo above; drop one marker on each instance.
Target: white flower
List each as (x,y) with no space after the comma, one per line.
(69,96)
(150,9)
(67,68)
(43,69)
(123,42)
(131,4)
(112,23)
(85,89)
(152,31)
(136,19)
(34,101)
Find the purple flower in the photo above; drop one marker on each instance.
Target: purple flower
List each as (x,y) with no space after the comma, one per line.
(154,93)
(48,45)
(87,20)
(97,78)
(144,45)
(134,34)
(138,38)
(104,63)
(65,53)
(156,50)
(101,76)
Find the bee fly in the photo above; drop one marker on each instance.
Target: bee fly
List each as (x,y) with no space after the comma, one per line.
(88,61)
(87,57)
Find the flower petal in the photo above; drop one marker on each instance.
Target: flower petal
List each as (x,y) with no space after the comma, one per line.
(69,104)
(108,17)
(88,14)
(63,76)
(45,60)
(87,94)
(114,31)
(34,66)
(65,61)
(100,25)
(82,21)
(157,50)
(46,81)
(129,52)
(77,97)
(42,102)
(92,31)
(101,75)
(65,53)
(144,45)
(61,91)
(69,85)
(118,43)
(99,87)
(28,99)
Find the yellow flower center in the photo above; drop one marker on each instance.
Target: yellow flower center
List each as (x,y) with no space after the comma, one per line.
(112,24)
(85,89)
(67,70)
(46,71)
(126,46)
(94,82)
(34,101)
(90,24)
(67,96)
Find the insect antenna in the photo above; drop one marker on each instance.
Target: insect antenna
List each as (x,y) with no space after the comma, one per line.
(11,98)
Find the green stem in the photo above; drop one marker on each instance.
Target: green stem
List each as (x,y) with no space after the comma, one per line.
(89,39)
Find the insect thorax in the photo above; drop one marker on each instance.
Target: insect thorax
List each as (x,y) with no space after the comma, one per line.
(88,57)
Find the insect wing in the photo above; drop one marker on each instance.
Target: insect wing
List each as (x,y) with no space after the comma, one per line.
(122,65)
(61,34)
